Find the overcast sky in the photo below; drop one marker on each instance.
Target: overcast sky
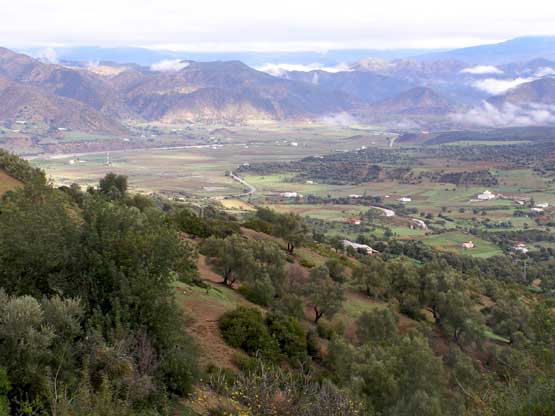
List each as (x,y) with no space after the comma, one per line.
(236,25)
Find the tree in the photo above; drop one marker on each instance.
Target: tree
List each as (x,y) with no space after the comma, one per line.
(395,377)
(372,277)
(114,186)
(39,241)
(377,326)
(292,229)
(230,256)
(404,280)
(336,270)
(324,295)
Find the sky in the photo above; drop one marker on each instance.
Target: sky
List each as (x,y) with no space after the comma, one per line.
(262,25)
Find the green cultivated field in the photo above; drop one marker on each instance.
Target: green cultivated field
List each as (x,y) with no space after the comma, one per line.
(452,241)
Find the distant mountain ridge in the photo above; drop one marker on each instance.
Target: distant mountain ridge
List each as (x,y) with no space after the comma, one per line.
(513,50)
(110,98)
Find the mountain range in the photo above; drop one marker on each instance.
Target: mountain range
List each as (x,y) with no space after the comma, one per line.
(109,97)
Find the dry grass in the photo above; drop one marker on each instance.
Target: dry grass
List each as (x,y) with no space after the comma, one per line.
(7,183)
(237,205)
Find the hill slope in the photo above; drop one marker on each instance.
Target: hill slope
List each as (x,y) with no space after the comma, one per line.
(7,183)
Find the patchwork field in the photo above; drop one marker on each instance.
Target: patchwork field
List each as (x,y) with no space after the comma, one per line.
(452,241)
(199,169)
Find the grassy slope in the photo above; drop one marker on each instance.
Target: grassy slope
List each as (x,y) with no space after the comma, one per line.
(7,183)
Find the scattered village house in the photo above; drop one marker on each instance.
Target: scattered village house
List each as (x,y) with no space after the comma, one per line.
(360,247)
(467,245)
(291,195)
(418,223)
(521,248)
(486,196)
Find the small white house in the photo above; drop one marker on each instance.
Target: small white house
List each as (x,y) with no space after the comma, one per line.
(355,196)
(521,248)
(486,196)
(309,182)
(290,195)
(294,144)
(537,210)
(468,245)
(405,199)
(419,223)
(369,250)
(542,205)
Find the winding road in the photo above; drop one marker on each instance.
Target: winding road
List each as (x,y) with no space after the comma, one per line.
(251,189)
(386,212)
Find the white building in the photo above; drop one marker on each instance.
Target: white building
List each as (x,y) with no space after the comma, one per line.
(486,196)
(419,223)
(537,210)
(369,250)
(355,196)
(542,205)
(290,195)
(405,199)
(468,245)
(521,248)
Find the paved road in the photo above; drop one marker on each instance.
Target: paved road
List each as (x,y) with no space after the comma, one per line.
(387,212)
(251,189)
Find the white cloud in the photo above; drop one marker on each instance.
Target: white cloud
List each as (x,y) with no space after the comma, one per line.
(508,115)
(169,65)
(499,86)
(280,70)
(482,70)
(544,72)
(339,119)
(47,55)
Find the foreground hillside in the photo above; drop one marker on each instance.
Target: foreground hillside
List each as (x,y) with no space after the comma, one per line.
(121,304)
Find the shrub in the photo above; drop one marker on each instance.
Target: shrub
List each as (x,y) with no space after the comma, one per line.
(377,326)
(178,370)
(259,225)
(306,263)
(4,389)
(245,328)
(260,291)
(289,335)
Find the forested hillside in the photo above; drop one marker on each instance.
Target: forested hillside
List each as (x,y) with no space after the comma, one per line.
(114,303)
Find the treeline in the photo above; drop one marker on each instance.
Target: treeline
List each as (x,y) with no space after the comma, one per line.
(88,322)
(19,169)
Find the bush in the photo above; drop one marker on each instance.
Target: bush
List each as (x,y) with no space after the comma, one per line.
(245,328)
(259,225)
(289,335)
(290,305)
(312,346)
(260,291)
(4,389)
(328,331)
(306,263)
(179,370)
(377,326)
